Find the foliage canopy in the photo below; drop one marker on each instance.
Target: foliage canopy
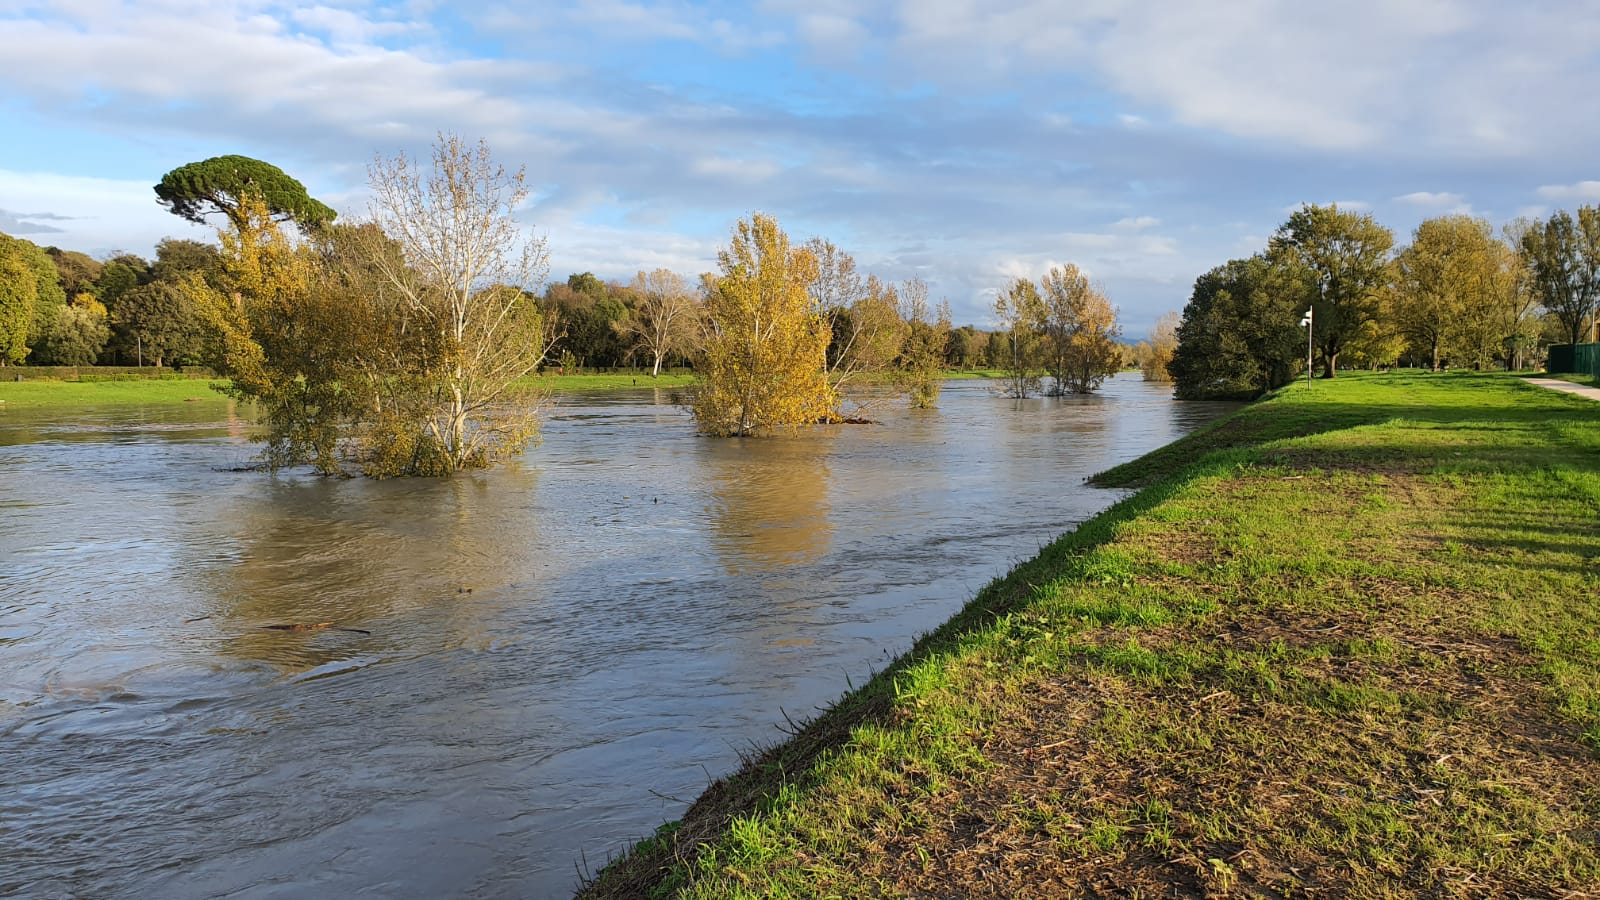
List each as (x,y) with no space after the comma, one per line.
(764,361)
(219,185)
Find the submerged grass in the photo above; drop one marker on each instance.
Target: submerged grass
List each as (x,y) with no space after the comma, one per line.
(1345,643)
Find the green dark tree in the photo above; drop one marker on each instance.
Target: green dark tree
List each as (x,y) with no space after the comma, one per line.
(589,315)
(1240,334)
(116,279)
(1339,261)
(587,283)
(176,256)
(1563,257)
(215,185)
(961,347)
(78,271)
(157,324)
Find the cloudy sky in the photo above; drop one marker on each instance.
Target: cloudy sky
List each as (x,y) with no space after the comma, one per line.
(966,142)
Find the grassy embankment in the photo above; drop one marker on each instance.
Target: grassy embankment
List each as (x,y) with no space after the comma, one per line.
(1346,643)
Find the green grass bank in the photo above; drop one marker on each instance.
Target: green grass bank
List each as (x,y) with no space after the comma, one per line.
(16,394)
(130,391)
(156,391)
(1344,643)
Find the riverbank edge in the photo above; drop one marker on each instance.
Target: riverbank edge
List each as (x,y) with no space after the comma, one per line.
(647,868)
(156,391)
(153,390)
(724,822)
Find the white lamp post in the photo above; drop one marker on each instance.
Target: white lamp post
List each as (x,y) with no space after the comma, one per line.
(1306,323)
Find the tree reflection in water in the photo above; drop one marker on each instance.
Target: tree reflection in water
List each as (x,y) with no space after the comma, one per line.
(355,554)
(769,510)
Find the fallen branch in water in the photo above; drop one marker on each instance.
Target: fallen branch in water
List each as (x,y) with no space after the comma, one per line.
(303,626)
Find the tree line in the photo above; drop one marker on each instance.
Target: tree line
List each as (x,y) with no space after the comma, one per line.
(63,308)
(401,343)
(1458,295)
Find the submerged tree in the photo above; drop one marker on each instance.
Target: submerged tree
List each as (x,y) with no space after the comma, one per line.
(1079,328)
(863,316)
(763,363)
(449,247)
(263,332)
(398,343)
(922,353)
(1019,310)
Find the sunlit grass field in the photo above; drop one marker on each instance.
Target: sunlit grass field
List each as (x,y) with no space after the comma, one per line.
(1344,643)
(99,393)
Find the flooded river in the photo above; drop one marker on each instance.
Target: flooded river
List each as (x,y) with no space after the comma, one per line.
(526,668)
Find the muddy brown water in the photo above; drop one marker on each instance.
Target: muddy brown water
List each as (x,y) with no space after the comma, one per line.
(559,654)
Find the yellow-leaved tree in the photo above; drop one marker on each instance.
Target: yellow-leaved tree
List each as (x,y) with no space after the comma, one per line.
(927,330)
(764,364)
(267,331)
(1080,330)
(399,344)
(1154,356)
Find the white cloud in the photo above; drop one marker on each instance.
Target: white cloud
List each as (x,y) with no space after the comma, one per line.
(253,71)
(831,35)
(748,171)
(1444,201)
(346,27)
(613,20)
(1469,78)
(617,253)
(1137,223)
(1583,190)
